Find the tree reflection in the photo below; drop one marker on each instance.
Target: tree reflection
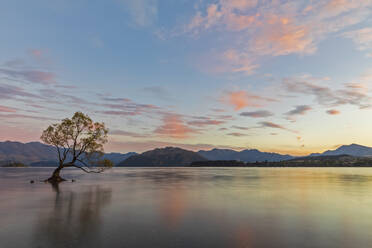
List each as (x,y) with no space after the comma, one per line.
(74,219)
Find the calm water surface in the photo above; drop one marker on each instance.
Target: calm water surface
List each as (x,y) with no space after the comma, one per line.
(188,207)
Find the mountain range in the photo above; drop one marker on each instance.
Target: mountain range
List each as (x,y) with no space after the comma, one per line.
(168,156)
(252,155)
(352,150)
(38,154)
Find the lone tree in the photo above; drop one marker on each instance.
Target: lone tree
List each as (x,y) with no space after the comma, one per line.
(79,142)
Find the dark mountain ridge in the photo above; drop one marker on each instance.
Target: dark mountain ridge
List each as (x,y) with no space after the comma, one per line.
(251,155)
(169,156)
(38,154)
(352,150)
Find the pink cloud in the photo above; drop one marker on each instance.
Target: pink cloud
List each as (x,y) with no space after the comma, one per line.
(37,53)
(174,127)
(7,109)
(31,76)
(276,28)
(283,37)
(241,99)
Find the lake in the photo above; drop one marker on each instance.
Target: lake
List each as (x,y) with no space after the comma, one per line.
(188,207)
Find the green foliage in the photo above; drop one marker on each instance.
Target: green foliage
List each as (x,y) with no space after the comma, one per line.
(106,163)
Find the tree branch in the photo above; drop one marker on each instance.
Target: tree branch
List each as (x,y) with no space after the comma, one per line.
(59,153)
(88,171)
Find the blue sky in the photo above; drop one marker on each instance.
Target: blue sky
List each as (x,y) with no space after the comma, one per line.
(284,76)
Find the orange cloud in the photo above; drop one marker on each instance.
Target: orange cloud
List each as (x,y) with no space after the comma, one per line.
(7,109)
(233,60)
(174,127)
(241,99)
(241,4)
(281,37)
(333,112)
(276,28)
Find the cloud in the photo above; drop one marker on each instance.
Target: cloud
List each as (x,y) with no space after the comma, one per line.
(260,29)
(361,37)
(257,114)
(7,109)
(234,61)
(298,110)
(237,134)
(30,76)
(241,99)
(125,107)
(217,110)
(120,113)
(116,99)
(205,121)
(128,134)
(271,124)
(14,63)
(158,92)
(55,96)
(329,97)
(22,116)
(143,12)
(173,126)
(241,128)
(141,146)
(333,112)
(36,53)
(11,92)
(265,124)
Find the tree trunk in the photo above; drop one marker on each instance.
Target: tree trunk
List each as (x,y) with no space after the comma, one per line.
(56,178)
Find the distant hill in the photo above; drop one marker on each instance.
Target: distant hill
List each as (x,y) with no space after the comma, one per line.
(342,160)
(11,164)
(38,154)
(118,157)
(314,161)
(26,152)
(352,150)
(169,156)
(252,155)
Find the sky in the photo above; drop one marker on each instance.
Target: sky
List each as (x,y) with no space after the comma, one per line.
(292,77)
